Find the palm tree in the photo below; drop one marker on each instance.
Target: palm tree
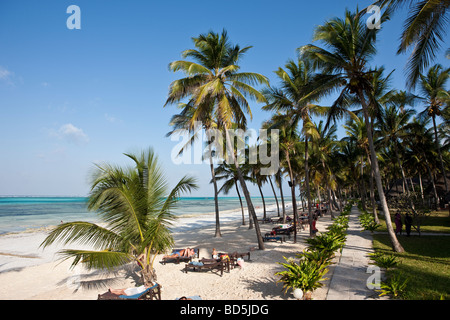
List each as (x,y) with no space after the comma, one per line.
(393,128)
(424,30)
(324,148)
(184,121)
(228,173)
(432,86)
(290,98)
(135,205)
(217,90)
(357,133)
(349,46)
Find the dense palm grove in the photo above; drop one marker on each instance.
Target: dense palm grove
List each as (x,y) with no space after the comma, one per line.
(396,141)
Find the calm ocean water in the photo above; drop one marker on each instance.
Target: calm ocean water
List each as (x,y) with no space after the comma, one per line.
(22,213)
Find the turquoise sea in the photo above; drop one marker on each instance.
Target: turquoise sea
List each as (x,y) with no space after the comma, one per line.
(19,214)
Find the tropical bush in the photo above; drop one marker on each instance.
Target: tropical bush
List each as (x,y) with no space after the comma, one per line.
(385,261)
(395,286)
(328,241)
(306,275)
(368,222)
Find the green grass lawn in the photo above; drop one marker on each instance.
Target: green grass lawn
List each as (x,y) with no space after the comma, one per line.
(426,262)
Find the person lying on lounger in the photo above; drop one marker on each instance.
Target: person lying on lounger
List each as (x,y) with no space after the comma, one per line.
(129,291)
(182,253)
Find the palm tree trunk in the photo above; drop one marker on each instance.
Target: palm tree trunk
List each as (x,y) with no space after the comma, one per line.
(405,183)
(240,200)
(282,198)
(294,201)
(248,199)
(363,186)
(436,141)
(432,182)
(308,192)
(264,202)
(394,241)
(275,195)
(216,199)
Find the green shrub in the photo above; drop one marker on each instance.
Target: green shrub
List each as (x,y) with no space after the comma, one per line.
(305,275)
(395,287)
(328,241)
(321,257)
(385,261)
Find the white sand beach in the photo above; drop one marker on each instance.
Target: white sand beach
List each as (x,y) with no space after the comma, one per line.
(28,272)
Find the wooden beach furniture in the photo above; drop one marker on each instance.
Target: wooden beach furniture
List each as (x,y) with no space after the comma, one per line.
(151,293)
(207,265)
(234,256)
(180,259)
(270,237)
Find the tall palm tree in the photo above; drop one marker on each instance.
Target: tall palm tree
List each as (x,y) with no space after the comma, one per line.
(348,48)
(135,205)
(289,98)
(424,30)
(216,89)
(393,128)
(184,121)
(432,87)
(357,133)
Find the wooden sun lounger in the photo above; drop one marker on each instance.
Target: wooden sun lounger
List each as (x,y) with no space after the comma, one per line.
(208,264)
(270,237)
(152,293)
(180,259)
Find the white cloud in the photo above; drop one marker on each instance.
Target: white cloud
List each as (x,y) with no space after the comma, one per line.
(110,118)
(6,75)
(72,134)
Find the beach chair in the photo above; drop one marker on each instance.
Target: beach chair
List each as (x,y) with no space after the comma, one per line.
(234,256)
(270,237)
(207,265)
(151,293)
(180,259)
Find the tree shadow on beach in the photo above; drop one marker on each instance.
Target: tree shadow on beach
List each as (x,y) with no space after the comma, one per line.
(100,279)
(268,288)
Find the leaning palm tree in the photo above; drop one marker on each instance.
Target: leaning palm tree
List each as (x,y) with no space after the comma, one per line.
(135,207)
(216,89)
(343,61)
(432,87)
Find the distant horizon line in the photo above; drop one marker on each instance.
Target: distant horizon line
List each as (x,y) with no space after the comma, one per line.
(77,196)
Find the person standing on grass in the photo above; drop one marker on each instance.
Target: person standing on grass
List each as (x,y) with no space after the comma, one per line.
(398,223)
(408,223)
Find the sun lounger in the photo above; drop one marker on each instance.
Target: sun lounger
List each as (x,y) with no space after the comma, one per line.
(151,293)
(206,265)
(270,237)
(180,259)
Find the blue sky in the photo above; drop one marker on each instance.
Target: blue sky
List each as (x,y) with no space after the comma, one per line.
(72,98)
